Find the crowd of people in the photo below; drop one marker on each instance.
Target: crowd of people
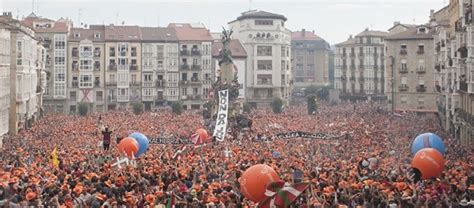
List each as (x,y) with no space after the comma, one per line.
(208,176)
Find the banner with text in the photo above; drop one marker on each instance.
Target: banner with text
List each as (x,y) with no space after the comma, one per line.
(308,135)
(221,122)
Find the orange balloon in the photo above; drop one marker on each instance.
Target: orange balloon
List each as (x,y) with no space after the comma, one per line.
(128,146)
(202,134)
(254,181)
(429,162)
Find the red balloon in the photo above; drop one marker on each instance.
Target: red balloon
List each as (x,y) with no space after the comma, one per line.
(254,181)
(202,134)
(129,146)
(429,162)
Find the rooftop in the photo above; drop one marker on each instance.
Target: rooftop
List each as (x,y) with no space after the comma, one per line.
(257,14)
(305,35)
(191,32)
(368,32)
(158,34)
(36,23)
(122,33)
(236,48)
(89,33)
(412,34)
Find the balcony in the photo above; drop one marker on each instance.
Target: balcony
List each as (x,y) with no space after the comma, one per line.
(148,98)
(403,88)
(403,52)
(420,88)
(403,70)
(343,78)
(135,84)
(96,54)
(463,86)
(420,70)
(111,98)
(112,67)
(344,55)
(135,98)
(148,84)
(361,55)
(97,67)
(85,53)
(122,98)
(352,78)
(352,55)
(419,52)
(361,79)
(75,53)
(123,67)
(160,83)
(438,67)
(97,83)
(196,67)
(352,67)
(184,67)
(184,52)
(133,54)
(133,67)
(75,67)
(123,53)
(195,52)
(110,84)
(75,84)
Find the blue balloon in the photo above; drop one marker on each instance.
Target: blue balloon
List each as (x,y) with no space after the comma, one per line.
(428,140)
(276,154)
(142,141)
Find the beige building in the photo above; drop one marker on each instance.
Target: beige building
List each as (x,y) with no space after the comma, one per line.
(410,84)
(26,66)
(53,35)
(310,55)
(86,68)
(4,80)
(195,63)
(123,72)
(268,45)
(159,62)
(359,66)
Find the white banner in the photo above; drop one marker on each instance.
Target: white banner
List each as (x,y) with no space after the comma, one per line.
(221,122)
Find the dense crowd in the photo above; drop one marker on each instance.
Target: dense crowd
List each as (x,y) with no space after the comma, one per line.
(208,176)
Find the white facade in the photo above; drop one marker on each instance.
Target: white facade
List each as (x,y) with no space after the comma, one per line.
(4,81)
(240,64)
(159,72)
(268,46)
(59,66)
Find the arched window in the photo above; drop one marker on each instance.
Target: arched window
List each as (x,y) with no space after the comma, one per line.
(258,35)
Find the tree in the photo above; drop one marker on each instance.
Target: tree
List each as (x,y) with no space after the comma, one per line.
(312,107)
(277,105)
(177,107)
(247,108)
(137,108)
(83,109)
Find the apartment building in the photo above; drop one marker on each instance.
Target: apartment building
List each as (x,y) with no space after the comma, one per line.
(123,72)
(160,74)
(25,69)
(86,68)
(195,63)
(410,69)
(4,81)
(268,46)
(310,54)
(359,66)
(53,35)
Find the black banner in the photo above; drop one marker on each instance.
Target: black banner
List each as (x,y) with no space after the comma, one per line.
(170,140)
(308,135)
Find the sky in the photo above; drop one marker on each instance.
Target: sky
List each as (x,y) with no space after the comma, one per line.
(333,20)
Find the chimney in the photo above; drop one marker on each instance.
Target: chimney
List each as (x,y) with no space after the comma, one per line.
(313,31)
(396,23)
(303,32)
(350,36)
(366,29)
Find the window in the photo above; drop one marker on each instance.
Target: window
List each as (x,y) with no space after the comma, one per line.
(112,51)
(421,101)
(421,65)
(421,49)
(195,61)
(404,64)
(75,82)
(72,95)
(59,60)
(184,91)
(85,65)
(97,35)
(134,51)
(263,22)
(59,41)
(160,64)
(123,49)
(264,64)
(403,47)
(421,82)
(59,77)
(99,96)
(77,35)
(134,78)
(184,77)
(147,78)
(403,99)
(19,52)
(85,80)
(195,91)
(264,50)
(264,79)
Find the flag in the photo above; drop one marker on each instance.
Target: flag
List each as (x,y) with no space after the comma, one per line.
(170,201)
(196,139)
(54,157)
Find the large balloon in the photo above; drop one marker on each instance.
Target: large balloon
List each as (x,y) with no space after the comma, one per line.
(128,146)
(254,181)
(429,162)
(202,134)
(142,141)
(427,140)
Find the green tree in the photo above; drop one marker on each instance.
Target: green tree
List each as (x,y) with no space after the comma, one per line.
(312,107)
(247,108)
(277,105)
(83,108)
(137,108)
(177,107)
